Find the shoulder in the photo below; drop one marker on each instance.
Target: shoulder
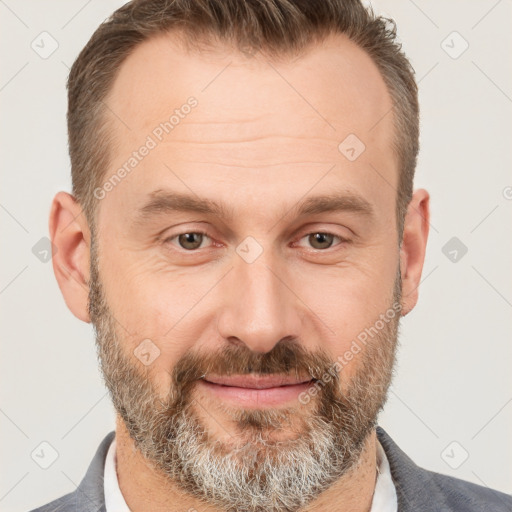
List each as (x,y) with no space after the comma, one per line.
(462,495)
(65,503)
(89,495)
(428,491)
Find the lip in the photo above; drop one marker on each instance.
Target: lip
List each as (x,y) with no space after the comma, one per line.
(255,391)
(256,381)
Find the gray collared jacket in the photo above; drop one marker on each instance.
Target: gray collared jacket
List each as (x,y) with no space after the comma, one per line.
(418,490)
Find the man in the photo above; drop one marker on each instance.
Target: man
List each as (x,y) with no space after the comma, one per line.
(244,236)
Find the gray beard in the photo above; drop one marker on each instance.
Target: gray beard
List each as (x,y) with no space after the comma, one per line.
(260,476)
(252,472)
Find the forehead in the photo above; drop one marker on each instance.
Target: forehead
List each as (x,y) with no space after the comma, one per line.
(334,74)
(257,122)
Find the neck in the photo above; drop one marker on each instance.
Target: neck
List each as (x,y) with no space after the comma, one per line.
(144,489)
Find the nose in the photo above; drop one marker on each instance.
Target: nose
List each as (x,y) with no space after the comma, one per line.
(259,308)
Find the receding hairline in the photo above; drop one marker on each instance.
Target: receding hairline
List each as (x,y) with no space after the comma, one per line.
(265,25)
(210,44)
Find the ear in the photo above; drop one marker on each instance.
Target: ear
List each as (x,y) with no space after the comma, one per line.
(412,251)
(70,234)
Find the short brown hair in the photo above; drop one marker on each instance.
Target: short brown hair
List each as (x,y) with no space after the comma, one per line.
(278,27)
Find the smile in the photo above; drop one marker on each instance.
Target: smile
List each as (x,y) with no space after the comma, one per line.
(255,391)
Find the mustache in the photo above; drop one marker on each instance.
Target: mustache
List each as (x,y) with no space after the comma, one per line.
(287,357)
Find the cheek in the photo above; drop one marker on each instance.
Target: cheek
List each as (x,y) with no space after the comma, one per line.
(174,308)
(357,290)
(345,301)
(149,302)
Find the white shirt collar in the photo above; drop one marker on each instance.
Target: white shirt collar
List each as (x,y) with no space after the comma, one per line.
(114,500)
(384,497)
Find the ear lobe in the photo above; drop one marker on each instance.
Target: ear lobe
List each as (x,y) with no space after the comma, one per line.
(414,244)
(70,234)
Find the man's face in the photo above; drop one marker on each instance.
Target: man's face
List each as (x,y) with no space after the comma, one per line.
(277,284)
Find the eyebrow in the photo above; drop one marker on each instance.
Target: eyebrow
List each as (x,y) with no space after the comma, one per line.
(166,202)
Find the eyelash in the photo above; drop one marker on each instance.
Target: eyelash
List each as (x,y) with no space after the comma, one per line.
(200,232)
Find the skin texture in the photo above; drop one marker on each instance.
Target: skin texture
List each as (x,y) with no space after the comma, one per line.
(263,137)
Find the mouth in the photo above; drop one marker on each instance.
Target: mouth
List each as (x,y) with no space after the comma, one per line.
(254,391)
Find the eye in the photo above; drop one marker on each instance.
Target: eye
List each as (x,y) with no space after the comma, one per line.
(193,240)
(188,241)
(321,240)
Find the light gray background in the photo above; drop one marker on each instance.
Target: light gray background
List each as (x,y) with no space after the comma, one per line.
(453,378)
